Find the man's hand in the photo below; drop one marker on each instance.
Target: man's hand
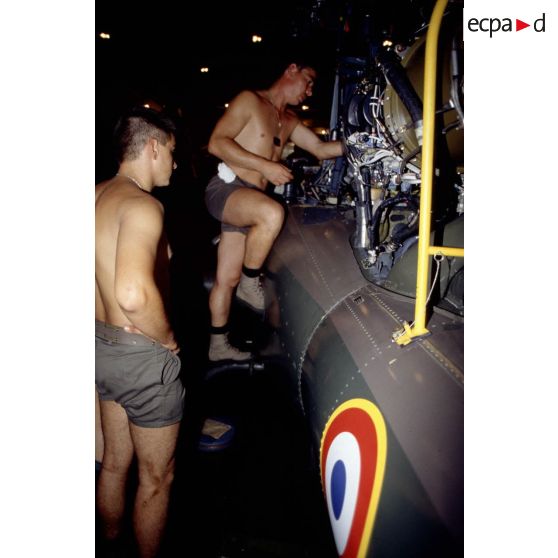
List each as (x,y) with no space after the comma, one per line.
(276,173)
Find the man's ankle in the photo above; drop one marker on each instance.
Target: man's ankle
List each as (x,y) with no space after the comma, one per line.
(251,272)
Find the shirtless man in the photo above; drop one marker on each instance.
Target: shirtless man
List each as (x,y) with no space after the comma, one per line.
(136,362)
(249,139)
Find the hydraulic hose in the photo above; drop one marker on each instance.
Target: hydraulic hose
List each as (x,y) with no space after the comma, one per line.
(400,198)
(396,76)
(408,157)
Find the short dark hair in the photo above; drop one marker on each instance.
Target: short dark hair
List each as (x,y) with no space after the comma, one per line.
(302,63)
(277,71)
(136,127)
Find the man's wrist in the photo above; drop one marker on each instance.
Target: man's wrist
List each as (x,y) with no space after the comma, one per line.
(344,148)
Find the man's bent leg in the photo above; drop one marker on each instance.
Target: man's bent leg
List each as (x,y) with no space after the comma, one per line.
(248,207)
(265,218)
(155,452)
(261,236)
(230,255)
(118,453)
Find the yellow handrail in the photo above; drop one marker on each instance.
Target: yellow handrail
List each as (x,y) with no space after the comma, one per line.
(418,329)
(446,251)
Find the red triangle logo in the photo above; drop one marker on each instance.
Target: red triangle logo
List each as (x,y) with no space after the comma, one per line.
(519,25)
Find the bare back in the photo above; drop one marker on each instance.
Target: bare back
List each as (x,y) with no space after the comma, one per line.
(117,205)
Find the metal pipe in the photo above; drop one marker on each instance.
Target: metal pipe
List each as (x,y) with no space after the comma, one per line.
(446,251)
(430,61)
(418,328)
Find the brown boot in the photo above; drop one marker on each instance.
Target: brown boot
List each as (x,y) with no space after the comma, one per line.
(221,349)
(251,293)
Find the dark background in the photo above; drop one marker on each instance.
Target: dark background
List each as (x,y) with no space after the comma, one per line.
(261,496)
(155,55)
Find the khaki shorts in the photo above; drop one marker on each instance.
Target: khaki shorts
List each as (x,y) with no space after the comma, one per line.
(139,374)
(216,195)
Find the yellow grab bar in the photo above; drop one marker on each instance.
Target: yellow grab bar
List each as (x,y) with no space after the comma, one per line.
(446,251)
(418,328)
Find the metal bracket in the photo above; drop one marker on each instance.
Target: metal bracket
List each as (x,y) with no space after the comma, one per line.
(408,334)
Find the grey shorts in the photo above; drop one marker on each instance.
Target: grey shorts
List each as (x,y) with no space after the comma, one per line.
(216,195)
(139,374)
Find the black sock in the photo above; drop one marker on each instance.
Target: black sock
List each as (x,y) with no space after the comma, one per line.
(220,330)
(251,272)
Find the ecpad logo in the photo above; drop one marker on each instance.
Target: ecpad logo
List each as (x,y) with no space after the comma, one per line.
(494,24)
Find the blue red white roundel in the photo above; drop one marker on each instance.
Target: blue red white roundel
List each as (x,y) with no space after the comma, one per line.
(352,462)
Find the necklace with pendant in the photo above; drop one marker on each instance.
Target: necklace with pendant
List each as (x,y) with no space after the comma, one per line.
(134,181)
(276,140)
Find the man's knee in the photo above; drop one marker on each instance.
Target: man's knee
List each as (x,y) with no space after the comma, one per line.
(116,463)
(272,215)
(278,214)
(227,279)
(156,476)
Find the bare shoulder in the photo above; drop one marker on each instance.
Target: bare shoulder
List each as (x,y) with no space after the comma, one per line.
(245,100)
(100,188)
(143,203)
(247,96)
(141,209)
(101,185)
(240,111)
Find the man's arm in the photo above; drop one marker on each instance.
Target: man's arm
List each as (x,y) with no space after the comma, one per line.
(233,121)
(306,139)
(136,292)
(223,145)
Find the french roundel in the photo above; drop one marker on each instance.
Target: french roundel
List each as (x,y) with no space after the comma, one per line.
(352,458)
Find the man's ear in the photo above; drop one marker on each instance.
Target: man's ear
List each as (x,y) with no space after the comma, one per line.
(292,69)
(153,146)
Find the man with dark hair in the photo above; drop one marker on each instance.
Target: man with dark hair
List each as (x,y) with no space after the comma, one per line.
(136,363)
(249,139)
